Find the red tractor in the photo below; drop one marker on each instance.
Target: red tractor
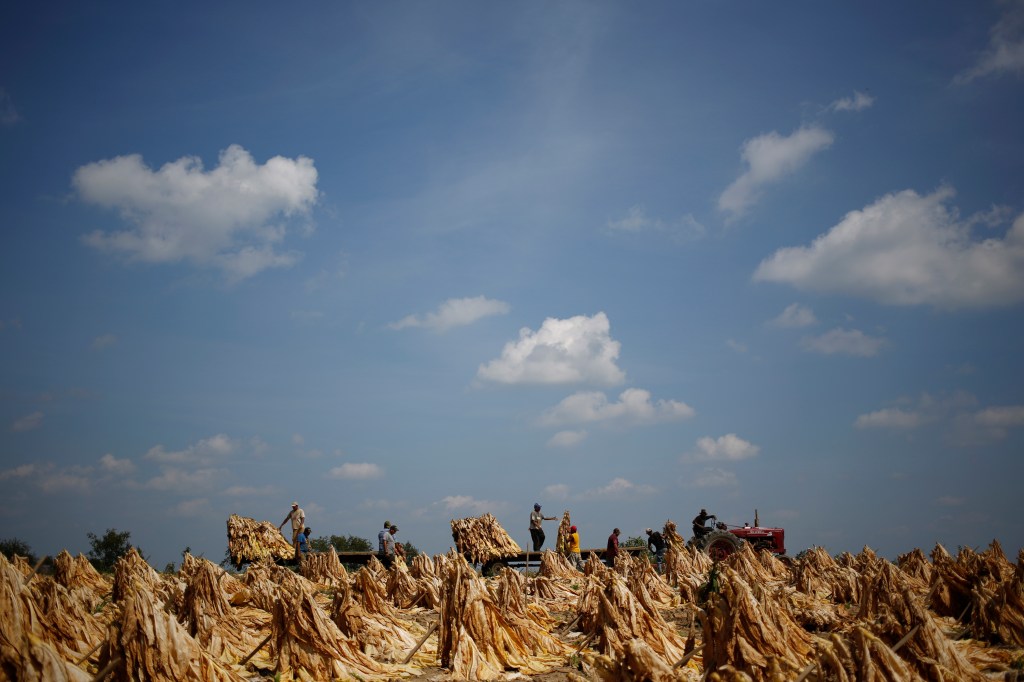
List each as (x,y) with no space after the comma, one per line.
(723,541)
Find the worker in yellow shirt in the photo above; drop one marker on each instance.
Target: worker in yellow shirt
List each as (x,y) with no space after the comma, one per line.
(574,548)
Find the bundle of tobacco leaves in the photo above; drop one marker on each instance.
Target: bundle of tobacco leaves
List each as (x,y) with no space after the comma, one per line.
(863,657)
(998,614)
(323,568)
(554,565)
(76,573)
(482,539)
(209,617)
(745,630)
(382,636)
(250,540)
(916,564)
(637,662)
(816,573)
(478,640)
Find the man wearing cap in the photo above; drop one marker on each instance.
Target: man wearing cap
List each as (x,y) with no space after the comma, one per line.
(389,547)
(574,548)
(298,519)
(536,532)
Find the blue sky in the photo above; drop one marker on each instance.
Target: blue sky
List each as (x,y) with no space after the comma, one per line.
(421,261)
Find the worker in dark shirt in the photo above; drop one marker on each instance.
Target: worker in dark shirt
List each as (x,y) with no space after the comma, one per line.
(656,544)
(699,529)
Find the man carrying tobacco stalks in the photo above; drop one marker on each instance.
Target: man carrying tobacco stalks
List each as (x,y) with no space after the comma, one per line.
(536,532)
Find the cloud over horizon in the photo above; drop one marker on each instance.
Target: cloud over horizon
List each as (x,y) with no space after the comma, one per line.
(455,312)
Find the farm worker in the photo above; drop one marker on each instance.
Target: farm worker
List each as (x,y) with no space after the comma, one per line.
(613,547)
(380,537)
(298,519)
(656,544)
(699,530)
(574,548)
(389,547)
(304,541)
(536,532)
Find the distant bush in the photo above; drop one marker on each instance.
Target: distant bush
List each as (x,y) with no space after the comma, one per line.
(14,546)
(108,549)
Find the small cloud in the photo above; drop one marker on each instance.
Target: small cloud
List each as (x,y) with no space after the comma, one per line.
(769,158)
(617,489)
(558,491)
(115,466)
(950,501)
(713,478)
(204,451)
(889,418)
(458,503)
(21,471)
(567,439)
(736,345)
(1006,416)
(686,228)
(179,480)
(249,491)
(794,316)
(8,113)
(455,312)
(105,341)
(1005,50)
(297,439)
(841,341)
(729,447)
(634,407)
(858,102)
(191,508)
(28,423)
(66,480)
(357,471)
(575,350)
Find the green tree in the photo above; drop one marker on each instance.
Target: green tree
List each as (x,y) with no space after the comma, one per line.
(341,543)
(108,549)
(635,541)
(410,551)
(14,546)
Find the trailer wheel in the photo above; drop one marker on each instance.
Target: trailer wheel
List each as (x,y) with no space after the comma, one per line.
(720,544)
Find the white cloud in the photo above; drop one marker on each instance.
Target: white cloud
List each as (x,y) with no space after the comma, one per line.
(459,503)
(558,491)
(191,508)
(795,315)
(712,478)
(8,113)
(357,471)
(298,439)
(858,102)
(455,312)
(182,481)
(249,491)
(736,345)
(729,447)
(28,422)
(576,350)
(769,158)
(230,217)
(890,418)
(841,341)
(203,452)
(567,439)
(685,228)
(634,407)
(21,471)
(115,466)
(906,249)
(1005,50)
(65,480)
(1001,417)
(617,489)
(105,341)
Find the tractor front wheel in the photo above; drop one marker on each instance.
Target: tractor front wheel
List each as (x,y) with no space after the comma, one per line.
(720,544)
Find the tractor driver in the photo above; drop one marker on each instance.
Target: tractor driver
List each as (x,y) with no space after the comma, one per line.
(699,529)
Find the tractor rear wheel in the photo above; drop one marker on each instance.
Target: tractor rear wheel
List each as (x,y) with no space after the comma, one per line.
(720,544)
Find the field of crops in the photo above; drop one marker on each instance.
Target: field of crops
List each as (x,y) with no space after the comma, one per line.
(751,617)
